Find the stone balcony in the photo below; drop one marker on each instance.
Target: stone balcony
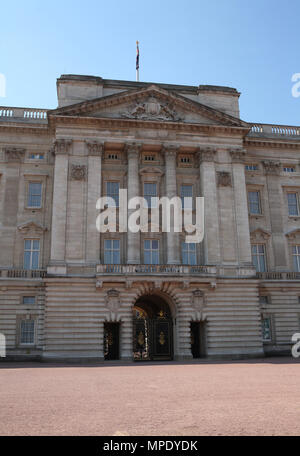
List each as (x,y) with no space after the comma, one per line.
(278,275)
(22,274)
(150,269)
(11,114)
(275,131)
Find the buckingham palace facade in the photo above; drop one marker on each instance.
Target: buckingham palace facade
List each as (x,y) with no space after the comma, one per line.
(70,292)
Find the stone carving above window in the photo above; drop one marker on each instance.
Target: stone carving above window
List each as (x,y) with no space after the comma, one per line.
(294,236)
(224,179)
(259,235)
(31,226)
(62,146)
(15,155)
(113,300)
(78,172)
(152,109)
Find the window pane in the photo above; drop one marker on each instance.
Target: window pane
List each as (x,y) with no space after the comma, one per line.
(28,300)
(35,260)
(107,244)
(155,255)
(27,256)
(36,245)
(116,257)
(254,202)
(155,245)
(293,204)
(34,194)
(147,257)
(116,244)
(27,245)
(27,331)
(107,259)
(147,244)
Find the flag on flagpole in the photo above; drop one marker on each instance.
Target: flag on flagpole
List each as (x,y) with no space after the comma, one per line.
(137,56)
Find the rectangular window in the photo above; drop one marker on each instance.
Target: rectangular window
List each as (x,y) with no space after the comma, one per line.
(293,204)
(27,332)
(36,157)
(189,254)
(186,194)
(266,329)
(296,257)
(31,254)
(289,169)
(28,300)
(151,251)
(112,190)
(34,194)
(251,167)
(150,191)
(112,251)
(254,202)
(259,257)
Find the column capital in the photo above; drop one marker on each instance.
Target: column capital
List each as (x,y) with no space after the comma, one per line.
(207,154)
(271,167)
(95,148)
(62,146)
(133,149)
(238,155)
(170,150)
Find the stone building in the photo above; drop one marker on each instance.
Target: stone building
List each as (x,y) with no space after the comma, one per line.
(70,292)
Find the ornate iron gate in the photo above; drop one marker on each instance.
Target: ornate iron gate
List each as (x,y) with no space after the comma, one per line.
(152,339)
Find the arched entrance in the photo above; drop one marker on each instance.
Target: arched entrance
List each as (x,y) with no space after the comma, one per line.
(152,329)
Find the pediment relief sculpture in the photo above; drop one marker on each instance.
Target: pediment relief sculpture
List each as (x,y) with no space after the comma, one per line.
(14,154)
(113,300)
(31,226)
(152,109)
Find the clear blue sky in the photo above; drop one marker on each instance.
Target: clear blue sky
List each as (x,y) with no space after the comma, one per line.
(251,45)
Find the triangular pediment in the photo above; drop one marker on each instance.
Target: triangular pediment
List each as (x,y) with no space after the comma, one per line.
(150,104)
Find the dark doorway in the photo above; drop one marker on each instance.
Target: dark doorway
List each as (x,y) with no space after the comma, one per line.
(111,341)
(152,329)
(198,339)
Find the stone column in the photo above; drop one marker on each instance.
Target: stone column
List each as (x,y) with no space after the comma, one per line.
(272,169)
(95,150)
(212,251)
(173,248)
(133,187)
(241,207)
(59,209)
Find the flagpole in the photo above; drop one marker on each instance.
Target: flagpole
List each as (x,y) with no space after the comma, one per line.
(137,62)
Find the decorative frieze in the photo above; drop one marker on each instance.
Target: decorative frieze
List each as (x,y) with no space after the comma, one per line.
(272,167)
(78,172)
(224,179)
(62,146)
(95,148)
(151,109)
(15,155)
(238,155)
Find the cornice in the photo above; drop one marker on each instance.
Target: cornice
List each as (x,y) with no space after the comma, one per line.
(271,143)
(99,122)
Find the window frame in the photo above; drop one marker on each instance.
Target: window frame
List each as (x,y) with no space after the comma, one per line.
(297,203)
(151,250)
(34,182)
(154,205)
(188,254)
(259,202)
(31,250)
(258,254)
(26,319)
(296,257)
(112,195)
(112,250)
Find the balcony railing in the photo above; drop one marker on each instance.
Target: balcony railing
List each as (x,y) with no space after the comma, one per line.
(23,273)
(285,131)
(278,275)
(32,114)
(155,269)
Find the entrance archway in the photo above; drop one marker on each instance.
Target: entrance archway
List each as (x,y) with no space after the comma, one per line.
(152,329)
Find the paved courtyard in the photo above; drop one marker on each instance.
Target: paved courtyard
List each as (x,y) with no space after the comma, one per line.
(259,397)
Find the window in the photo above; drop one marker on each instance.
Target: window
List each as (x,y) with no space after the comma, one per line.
(258,257)
(189,254)
(34,194)
(112,251)
(186,194)
(251,167)
(112,190)
(185,159)
(293,204)
(28,300)
(31,253)
(296,257)
(36,157)
(149,158)
(113,157)
(254,202)
(27,332)
(150,191)
(151,251)
(266,329)
(264,300)
(289,169)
